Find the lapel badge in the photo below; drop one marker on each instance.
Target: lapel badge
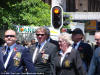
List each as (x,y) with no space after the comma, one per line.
(43,51)
(44,61)
(45,57)
(67,63)
(15,49)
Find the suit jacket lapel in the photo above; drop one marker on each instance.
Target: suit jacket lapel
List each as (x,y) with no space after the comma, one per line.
(32,49)
(58,60)
(80,45)
(1,60)
(1,57)
(12,55)
(39,56)
(2,53)
(45,48)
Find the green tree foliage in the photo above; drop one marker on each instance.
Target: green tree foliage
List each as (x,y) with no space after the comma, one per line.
(66,20)
(24,12)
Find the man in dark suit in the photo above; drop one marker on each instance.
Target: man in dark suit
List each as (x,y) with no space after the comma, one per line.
(84,49)
(95,62)
(13,57)
(43,53)
(49,39)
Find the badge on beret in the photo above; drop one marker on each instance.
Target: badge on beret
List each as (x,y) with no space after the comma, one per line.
(67,63)
(17,58)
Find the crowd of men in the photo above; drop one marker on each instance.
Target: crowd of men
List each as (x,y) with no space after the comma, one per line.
(70,55)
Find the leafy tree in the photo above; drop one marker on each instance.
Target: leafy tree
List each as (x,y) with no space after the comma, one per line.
(67,19)
(24,12)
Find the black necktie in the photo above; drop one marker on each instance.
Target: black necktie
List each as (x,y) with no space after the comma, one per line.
(6,55)
(39,46)
(8,50)
(74,45)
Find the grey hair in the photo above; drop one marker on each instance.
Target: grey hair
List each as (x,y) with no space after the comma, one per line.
(47,30)
(66,37)
(41,29)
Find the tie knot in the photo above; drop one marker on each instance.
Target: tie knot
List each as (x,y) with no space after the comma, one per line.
(74,45)
(8,49)
(39,46)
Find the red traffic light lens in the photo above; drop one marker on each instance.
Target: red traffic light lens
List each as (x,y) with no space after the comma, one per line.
(57,17)
(56,11)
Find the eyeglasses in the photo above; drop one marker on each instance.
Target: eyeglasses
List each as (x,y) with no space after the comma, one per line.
(9,36)
(40,34)
(60,41)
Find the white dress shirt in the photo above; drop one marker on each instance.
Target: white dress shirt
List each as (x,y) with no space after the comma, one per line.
(77,45)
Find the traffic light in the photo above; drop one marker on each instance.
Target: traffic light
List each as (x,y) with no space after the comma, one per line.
(57,17)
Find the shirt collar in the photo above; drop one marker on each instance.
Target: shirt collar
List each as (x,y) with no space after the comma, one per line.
(12,46)
(42,43)
(78,42)
(67,51)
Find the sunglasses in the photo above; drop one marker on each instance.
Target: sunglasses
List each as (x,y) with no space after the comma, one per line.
(97,39)
(9,35)
(60,41)
(40,34)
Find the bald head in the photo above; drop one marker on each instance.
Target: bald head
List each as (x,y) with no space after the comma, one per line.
(97,38)
(10,32)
